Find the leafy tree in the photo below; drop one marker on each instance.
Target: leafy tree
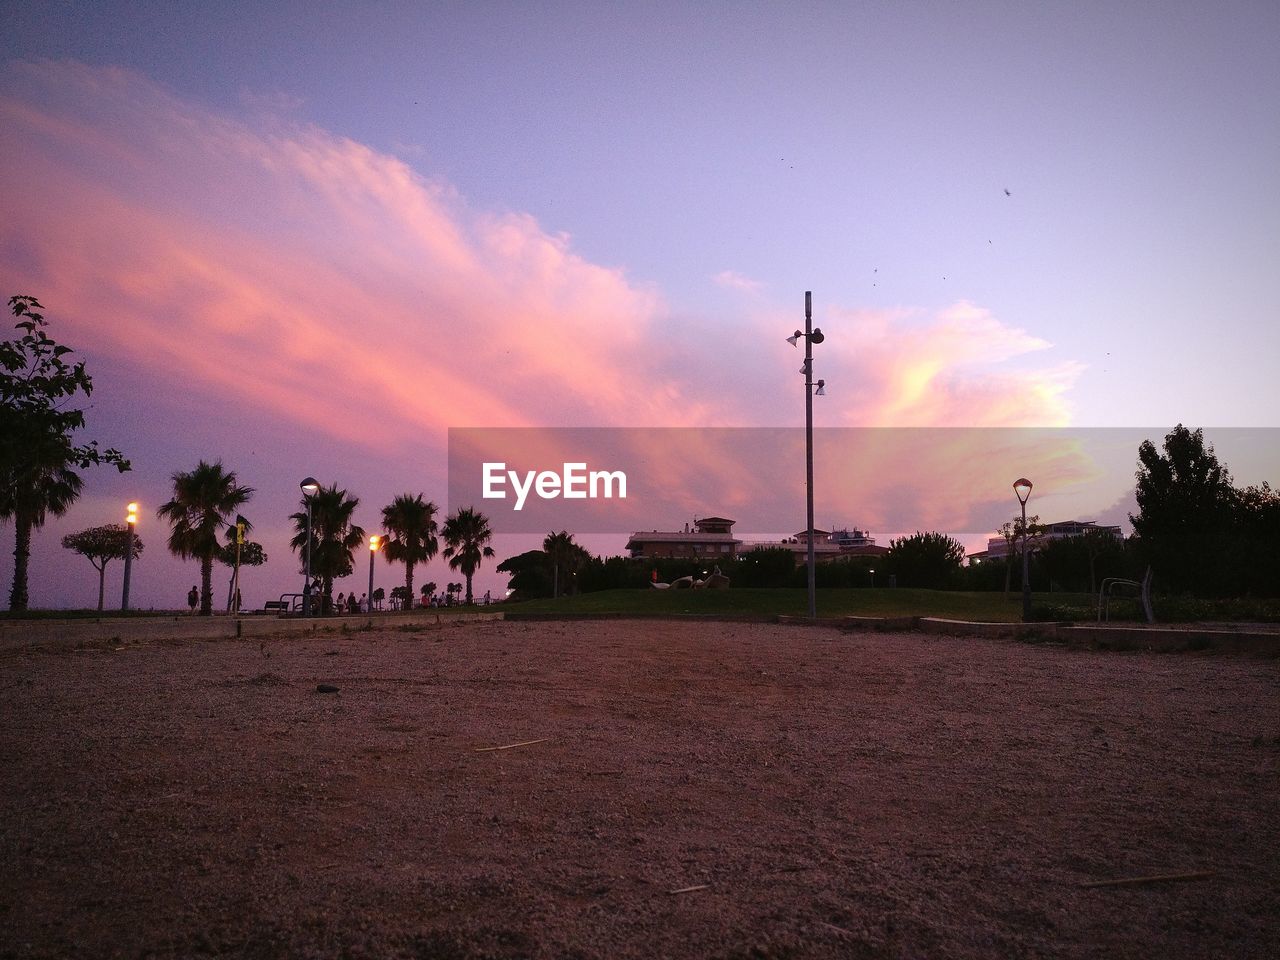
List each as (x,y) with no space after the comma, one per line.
(467,536)
(1258,525)
(428,591)
(1186,509)
(37,453)
(924,559)
(1074,563)
(102,545)
(529,575)
(203,498)
(334,537)
(1015,542)
(410,522)
(250,554)
(612,573)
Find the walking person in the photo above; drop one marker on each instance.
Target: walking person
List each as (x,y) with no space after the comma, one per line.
(193,598)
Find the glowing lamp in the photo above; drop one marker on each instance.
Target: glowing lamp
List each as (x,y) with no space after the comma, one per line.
(1022,488)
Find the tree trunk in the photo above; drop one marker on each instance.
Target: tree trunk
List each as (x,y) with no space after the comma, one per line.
(206,587)
(468,576)
(21,558)
(102,577)
(408,585)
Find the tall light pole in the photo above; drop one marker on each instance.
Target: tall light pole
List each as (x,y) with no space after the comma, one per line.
(374,542)
(130,520)
(811,336)
(309,487)
(1022,488)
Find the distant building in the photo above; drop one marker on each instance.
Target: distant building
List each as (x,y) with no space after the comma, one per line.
(710,538)
(998,547)
(827,545)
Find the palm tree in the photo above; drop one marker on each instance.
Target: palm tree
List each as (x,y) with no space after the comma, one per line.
(43,485)
(202,501)
(566,559)
(411,523)
(333,536)
(467,534)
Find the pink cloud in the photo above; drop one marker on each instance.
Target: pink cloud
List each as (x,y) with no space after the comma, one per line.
(277,266)
(732,280)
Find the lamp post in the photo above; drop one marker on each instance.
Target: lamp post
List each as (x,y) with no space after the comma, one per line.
(811,336)
(1022,488)
(130,520)
(374,542)
(873,576)
(309,487)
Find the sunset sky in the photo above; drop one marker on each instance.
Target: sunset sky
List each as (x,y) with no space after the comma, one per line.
(309,238)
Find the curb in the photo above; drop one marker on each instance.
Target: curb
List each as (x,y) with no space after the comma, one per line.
(69,634)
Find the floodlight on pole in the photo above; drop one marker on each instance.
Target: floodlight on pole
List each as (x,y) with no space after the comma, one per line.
(375,542)
(130,521)
(1022,490)
(309,488)
(811,336)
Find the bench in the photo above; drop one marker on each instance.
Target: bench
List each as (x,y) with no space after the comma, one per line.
(278,607)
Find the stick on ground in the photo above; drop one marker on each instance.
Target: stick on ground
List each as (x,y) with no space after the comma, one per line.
(700,886)
(1153,878)
(508,746)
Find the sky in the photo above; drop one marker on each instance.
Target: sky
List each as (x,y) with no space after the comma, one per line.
(309,239)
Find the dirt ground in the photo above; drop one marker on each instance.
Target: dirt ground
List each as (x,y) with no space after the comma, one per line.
(700,790)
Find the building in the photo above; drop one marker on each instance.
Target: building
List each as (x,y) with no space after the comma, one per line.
(827,545)
(710,539)
(998,547)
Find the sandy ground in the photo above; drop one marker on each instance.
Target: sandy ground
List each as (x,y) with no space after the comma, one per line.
(830,795)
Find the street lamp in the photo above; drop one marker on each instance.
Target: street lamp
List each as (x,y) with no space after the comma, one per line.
(1022,488)
(873,576)
(811,336)
(309,487)
(374,543)
(130,520)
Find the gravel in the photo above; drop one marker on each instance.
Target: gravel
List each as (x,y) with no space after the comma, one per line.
(666,789)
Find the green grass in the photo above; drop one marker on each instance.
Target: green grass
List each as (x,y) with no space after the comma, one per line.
(949,604)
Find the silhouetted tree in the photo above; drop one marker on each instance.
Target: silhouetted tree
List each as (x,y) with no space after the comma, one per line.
(1074,563)
(250,554)
(924,560)
(529,575)
(467,536)
(410,522)
(334,537)
(37,454)
(101,545)
(1186,507)
(565,558)
(203,498)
